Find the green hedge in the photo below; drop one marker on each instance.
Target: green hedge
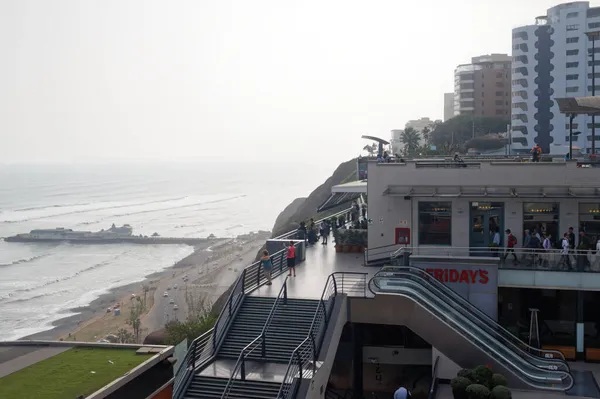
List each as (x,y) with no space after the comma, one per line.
(480,383)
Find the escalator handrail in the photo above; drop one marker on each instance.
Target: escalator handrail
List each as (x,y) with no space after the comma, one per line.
(558,355)
(490,330)
(414,295)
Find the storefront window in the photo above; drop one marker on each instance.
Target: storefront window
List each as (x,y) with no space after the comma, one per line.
(435,223)
(591,319)
(542,217)
(589,220)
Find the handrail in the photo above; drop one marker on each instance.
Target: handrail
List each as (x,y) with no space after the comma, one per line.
(414,291)
(434,380)
(309,348)
(516,342)
(386,252)
(241,361)
(294,232)
(196,354)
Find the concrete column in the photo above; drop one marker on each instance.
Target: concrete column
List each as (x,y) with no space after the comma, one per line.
(357,349)
(579,327)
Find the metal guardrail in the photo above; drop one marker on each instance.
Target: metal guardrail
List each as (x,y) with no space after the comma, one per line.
(259,341)
(252,277)
(304,358)
(519,258)
(434,380)
(294,233)
(383,253)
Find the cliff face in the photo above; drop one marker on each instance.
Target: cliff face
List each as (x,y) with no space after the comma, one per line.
(308,208)
(287,213)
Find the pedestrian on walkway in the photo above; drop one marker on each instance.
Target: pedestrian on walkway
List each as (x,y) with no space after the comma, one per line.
(291,259)
(402,393)
(267,265)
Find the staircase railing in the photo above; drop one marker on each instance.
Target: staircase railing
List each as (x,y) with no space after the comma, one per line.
(260,341)
(303,361)
(252,277)
(199,352)
(293,234)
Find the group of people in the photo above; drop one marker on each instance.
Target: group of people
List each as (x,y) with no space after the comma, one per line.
(290,256)
(538,248)
(312,232)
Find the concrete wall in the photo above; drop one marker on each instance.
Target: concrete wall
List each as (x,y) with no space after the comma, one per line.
(446,368)
(390,212)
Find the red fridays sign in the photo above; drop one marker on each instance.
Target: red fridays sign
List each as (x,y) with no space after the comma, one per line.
(463,276)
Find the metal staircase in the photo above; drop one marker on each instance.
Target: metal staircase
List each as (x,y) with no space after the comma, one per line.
(213,388)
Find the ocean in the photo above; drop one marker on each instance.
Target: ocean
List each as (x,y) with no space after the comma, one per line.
(41,283)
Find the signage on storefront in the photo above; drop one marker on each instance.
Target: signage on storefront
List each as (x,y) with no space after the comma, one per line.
(472,276)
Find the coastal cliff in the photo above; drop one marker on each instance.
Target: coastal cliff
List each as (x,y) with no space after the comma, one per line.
(344,173)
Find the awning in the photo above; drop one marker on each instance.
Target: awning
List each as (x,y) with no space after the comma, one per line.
(579,105)
(337,199)
(492,192)
(352,187)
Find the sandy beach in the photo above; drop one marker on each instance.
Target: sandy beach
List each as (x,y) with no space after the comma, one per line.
(210,269)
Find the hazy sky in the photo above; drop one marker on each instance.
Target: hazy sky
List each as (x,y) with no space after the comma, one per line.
(273,79)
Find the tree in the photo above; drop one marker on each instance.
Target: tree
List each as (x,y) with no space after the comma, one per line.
(371,149)
(410,138)
(191,329)
(452,135)
(125,337)
(426,133)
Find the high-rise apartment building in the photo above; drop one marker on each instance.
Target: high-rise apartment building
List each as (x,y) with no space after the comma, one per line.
(482,88)
(448,106)
(552,59)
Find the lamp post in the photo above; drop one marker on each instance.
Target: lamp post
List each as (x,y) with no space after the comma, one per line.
(593,36)
(571,134)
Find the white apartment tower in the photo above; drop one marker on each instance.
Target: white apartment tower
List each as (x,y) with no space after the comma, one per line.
(553,59)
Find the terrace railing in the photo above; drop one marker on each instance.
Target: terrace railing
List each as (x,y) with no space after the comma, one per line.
(517,258)
(303,362)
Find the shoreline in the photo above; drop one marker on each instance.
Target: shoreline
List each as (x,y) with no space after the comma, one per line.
(93,313)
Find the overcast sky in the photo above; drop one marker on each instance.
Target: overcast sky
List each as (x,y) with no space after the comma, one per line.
(272,79)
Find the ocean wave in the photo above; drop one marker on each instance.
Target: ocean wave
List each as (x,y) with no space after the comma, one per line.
(62,279)
(37,208)
(94,210)
(45,294)
(21,261)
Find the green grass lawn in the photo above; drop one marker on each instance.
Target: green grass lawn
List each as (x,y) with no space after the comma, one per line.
(69,374)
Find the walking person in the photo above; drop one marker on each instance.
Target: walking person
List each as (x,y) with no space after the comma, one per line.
(326,231)
(511,243)
(566,259)
(322,232)
(547,246)
(402,393)
(291,259)
(267,265)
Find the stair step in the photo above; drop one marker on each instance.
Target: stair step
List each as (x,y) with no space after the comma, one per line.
(212,387)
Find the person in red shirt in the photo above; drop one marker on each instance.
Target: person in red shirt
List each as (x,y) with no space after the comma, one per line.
(291,259)
(511,243)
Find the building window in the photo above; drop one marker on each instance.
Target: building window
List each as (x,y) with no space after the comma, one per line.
(499,93)
(499,84)
(572,52)
(542,217)
(572,15)
(572,39)
(594,25)
(575,126)
(596,88)
(573,89)
(589,219)
(500,112)
(573,77)
(572,64)
(499,102)
(435,223)
(572,27)
(575,138)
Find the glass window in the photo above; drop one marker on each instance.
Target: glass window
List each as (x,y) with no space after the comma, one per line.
(572,52)
(435,223)
(543,218)
(572,39)
(589,219)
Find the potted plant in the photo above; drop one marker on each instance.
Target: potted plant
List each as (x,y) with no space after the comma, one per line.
(341,221)
(480,382)
(337,237)
(362,240)
(333,222)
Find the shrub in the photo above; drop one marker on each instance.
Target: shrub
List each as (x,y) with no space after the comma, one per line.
(478,391)
(468,374)
(483,376)
(499,379)
(500,392)
(459,387)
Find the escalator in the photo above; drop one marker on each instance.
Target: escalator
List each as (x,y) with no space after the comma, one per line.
(465,334)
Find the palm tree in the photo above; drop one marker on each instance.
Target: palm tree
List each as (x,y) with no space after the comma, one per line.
(410,138)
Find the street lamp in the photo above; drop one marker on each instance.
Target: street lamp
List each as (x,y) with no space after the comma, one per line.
(593,36)
(571,134)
